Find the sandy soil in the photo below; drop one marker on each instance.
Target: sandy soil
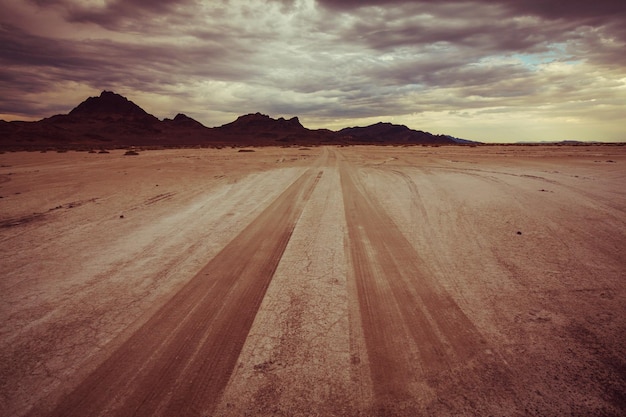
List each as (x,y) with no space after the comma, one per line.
(325,281)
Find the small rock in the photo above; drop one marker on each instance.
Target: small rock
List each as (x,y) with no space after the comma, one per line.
(519,233)
(122,216)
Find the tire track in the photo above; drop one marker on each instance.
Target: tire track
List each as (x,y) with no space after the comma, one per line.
(400,304)
(180,360)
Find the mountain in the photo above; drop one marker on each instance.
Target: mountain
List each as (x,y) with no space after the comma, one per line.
(110,105)
(111,120)
(381,133)
(264,123)
(182,120)
(557,142)
(464,141)
(261,129)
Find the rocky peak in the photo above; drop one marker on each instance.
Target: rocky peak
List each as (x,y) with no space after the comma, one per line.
(263,122)
(110,104)
(180,117)
(183,120)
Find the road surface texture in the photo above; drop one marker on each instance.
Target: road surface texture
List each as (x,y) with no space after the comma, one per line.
(353,281)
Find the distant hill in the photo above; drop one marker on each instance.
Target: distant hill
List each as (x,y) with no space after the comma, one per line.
(382,133)
(111,120)
(463,141)
(261,129)
(557,142)
(264,123)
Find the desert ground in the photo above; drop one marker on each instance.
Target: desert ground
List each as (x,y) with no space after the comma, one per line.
(324,281)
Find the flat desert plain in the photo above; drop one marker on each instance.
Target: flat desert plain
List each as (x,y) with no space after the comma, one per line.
(326,281)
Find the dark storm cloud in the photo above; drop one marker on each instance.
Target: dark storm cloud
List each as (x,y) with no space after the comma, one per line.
(116,13)
(109,63)
(508,25)
(582,9)
(485,26)
(483,35)
(433,73)
(552,9)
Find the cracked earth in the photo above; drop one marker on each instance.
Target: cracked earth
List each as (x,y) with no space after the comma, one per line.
(346,281)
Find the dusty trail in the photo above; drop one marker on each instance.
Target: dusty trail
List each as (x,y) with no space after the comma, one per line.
(400,304)
(303,355)
(517,289)
(331,281)
(194,340)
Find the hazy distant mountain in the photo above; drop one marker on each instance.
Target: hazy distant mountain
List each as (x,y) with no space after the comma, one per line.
(111,120)
(463,141)
(556,142)
(391,133)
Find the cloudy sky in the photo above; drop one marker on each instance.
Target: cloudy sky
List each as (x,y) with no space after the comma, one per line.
(510,70)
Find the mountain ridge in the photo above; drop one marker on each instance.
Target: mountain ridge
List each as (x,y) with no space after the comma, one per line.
(112,120)
(400,133)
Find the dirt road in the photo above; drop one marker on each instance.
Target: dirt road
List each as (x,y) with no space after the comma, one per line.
(328,281)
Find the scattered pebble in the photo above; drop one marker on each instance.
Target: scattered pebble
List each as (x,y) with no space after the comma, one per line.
(121,216)
(519,233)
